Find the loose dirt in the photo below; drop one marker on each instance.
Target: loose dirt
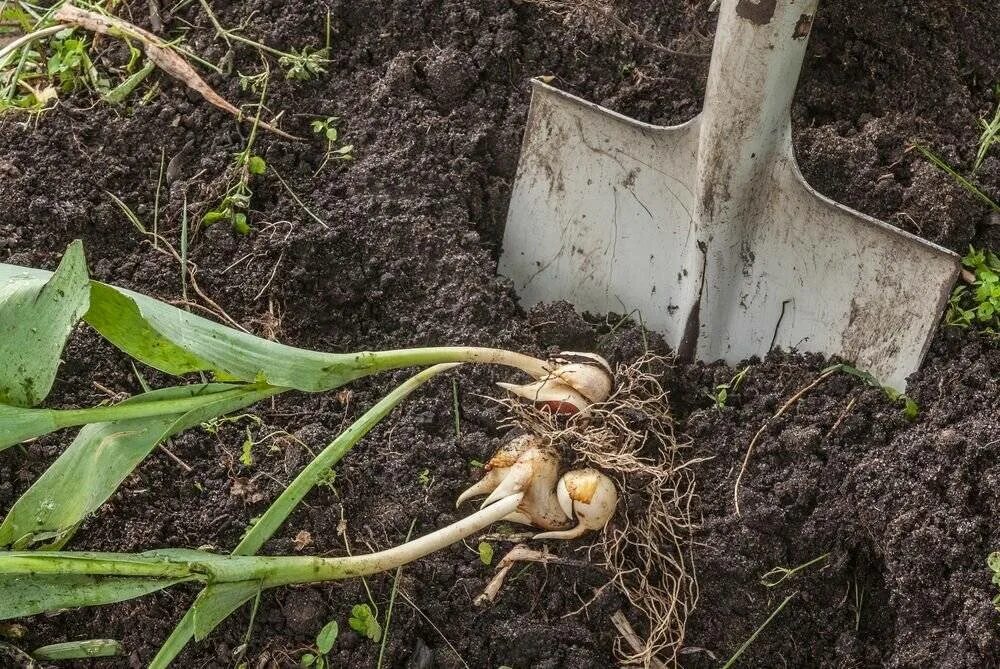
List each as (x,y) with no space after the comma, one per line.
(433,96)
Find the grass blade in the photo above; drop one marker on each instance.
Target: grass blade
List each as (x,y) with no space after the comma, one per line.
(746,644)
(87,473)
(942,165)
(37,314)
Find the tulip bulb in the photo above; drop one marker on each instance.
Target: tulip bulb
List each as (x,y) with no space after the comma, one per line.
(529,467)
(498,466)
(587,495)
(576,381)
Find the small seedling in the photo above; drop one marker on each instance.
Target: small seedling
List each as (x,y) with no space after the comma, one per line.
(424,478)
(236,202)
(328,129)
(722,391)
(364,622)
(978,303)
(780,574)
(324,644)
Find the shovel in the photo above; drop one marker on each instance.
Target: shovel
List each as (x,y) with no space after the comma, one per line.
(708,228)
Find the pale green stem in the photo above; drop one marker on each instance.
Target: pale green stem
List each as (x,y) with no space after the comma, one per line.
(269,571)
(278,512)
(360,365)
(368,362)
(27,39)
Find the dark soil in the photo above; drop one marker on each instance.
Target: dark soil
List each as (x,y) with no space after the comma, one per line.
(433,96)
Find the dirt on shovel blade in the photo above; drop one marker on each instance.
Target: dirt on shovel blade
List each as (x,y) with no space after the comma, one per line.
(433,97)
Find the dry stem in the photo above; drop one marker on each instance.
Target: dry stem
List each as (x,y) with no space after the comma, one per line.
(162,55)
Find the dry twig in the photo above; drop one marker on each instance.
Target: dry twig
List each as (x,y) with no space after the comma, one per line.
(157,51)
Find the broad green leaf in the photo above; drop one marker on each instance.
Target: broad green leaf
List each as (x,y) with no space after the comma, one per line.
(87,473)
(78,650)
(256,165)
(178,342)
(216,606)
(37,314)
(18,424)
(31,595)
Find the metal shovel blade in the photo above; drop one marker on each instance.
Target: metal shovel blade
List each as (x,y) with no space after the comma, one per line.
(708,229)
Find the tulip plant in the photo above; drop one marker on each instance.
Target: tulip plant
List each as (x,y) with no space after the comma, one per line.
(38,310)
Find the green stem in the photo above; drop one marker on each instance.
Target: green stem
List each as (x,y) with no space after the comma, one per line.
(268,571)
(28,39)
(368,362)
(282,507)
(259,45)
(127,410)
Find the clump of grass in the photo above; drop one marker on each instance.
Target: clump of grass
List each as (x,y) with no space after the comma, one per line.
(977,304)
(989,137)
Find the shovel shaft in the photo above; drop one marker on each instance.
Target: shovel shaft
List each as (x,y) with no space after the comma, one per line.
(744,126)
(758,52)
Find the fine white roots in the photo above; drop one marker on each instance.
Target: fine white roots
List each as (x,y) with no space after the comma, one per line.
(647,547)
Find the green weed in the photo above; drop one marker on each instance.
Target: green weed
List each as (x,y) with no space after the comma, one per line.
(364,622)
(235,202)
(721,394)
(328,129)
(324,644)
(978,303)
(994,564)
